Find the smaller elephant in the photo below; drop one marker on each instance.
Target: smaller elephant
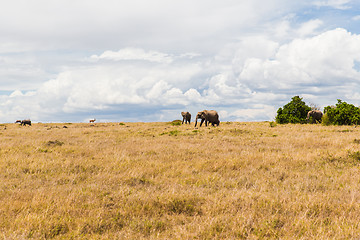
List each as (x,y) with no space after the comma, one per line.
(314,116)
(25,122)
(186,117)
(208,116)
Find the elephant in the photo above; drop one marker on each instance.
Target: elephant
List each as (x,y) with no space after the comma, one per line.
(25,122)
(314,116)
(208,116)
(186,117)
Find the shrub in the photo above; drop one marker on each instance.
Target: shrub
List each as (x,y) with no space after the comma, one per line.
(176,122)
(272,124)
(325,120)
(342,114)
(293,112)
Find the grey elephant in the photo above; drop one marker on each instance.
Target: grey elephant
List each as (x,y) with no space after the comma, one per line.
(208,116)
(314,116)
(186,117)
(25,122)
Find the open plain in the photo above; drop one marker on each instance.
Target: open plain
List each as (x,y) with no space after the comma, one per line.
(160,180)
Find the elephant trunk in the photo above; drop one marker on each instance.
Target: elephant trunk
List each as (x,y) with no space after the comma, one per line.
(196,120)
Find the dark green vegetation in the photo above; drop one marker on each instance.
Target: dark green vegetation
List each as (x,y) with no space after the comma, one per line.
(340,114)
(293,112)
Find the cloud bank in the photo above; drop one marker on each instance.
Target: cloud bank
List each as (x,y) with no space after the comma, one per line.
(261,74)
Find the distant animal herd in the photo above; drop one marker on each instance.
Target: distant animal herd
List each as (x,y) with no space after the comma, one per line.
(28,122)
(211,116)
(207,117)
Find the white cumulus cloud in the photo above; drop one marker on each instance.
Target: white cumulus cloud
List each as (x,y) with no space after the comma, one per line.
(324,59)
(246,80)
(135,54)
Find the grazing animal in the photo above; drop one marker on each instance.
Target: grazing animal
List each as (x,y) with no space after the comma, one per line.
(208,116)
(92,120)
(25,122)
(315,116)
(18,121)
(186,117)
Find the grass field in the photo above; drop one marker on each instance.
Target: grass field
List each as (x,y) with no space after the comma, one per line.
(160,181)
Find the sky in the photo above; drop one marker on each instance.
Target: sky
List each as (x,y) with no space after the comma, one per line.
(146,61)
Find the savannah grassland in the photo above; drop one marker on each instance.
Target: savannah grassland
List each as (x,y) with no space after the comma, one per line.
(162,181)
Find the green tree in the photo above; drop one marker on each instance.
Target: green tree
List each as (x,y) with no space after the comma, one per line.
(342,114)
(293,112)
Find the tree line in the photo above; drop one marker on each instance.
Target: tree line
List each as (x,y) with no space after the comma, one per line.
(296,112)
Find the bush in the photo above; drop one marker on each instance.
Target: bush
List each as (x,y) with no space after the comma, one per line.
(176,123)
(272,124)
(293,112)
(342,114)
(325,120)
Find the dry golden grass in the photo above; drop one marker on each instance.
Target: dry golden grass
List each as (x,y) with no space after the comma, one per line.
(159,181)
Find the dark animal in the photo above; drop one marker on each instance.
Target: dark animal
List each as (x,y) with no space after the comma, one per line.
(92,120)
(25,122)
(314,116)
(18,121)
(208,116)
(186,117)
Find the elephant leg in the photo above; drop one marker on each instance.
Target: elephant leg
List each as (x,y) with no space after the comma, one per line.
(202,121)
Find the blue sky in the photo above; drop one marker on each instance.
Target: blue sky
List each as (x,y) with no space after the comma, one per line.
(71,61)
